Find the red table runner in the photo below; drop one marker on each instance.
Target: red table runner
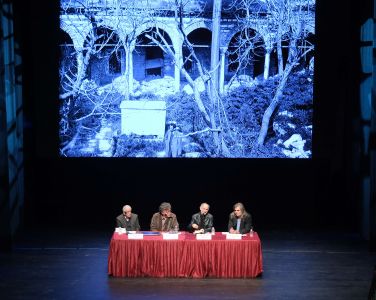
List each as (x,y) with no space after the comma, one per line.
(185,257)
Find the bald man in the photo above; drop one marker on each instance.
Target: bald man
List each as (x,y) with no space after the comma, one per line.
(128,220)
(201,222)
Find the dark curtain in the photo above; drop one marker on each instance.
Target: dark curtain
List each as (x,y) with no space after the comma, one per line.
(11,129)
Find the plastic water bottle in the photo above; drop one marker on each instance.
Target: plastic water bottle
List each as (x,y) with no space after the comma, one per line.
(213,231)
(176,228)
(251,232)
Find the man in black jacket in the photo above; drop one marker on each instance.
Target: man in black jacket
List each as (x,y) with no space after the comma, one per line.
(240,221)
(201,222)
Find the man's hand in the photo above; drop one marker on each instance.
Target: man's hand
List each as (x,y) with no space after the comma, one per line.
(194,226)
(166,214)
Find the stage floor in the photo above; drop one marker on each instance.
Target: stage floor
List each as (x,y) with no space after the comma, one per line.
(72,264)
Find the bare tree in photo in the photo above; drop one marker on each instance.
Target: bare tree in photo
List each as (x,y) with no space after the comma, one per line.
(109,29)
(131,15)
(209,112)
(286,20)
(297,17)
(73,74)
(249,43)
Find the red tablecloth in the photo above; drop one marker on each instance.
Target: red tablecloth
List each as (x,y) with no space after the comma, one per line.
(185,257)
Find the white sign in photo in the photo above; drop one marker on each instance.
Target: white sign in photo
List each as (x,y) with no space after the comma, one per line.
(143,117)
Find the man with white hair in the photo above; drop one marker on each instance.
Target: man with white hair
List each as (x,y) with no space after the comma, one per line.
(202,222)
(128,220)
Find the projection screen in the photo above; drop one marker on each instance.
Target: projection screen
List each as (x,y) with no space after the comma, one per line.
(186,78)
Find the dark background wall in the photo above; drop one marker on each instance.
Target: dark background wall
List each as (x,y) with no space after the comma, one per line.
(322,192)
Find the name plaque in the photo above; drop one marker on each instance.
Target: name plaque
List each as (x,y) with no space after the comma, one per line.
(170,236)
(233,236)
(203,236)
(135,236)
(120,230)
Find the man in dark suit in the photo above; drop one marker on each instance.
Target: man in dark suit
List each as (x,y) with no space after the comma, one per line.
(202,222)
(240,221)
(128,220)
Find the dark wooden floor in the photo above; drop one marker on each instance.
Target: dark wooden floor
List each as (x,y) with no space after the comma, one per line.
(52,264)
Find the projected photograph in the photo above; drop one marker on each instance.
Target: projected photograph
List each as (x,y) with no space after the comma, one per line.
(186,78)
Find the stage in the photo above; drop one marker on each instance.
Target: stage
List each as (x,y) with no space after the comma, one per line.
(72,264)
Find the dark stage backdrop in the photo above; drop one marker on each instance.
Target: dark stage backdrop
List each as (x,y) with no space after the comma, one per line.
(90,193)
(278,193)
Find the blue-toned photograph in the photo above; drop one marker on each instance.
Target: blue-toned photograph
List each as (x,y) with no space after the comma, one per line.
(186,78)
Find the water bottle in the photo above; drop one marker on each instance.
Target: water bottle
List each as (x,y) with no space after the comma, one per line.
(176,228)
(213,231)
(251,232)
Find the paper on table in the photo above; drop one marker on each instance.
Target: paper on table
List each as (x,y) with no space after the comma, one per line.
(135,236)
(170,236)
(120,230)
(206,236)
(233,236)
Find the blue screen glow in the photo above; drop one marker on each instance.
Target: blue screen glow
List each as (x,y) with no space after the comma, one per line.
(188,78)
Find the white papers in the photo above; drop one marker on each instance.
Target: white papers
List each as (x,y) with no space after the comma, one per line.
(233,236)
(135,236)
(206,236)
(170,236)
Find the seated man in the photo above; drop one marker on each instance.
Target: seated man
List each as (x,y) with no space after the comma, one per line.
(164,220)
(128,220)
(201,222)
(240,221)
